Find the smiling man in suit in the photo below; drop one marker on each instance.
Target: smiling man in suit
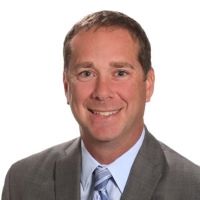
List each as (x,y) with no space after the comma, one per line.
(108,79)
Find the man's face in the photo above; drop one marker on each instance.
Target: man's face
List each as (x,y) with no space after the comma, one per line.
(106,86)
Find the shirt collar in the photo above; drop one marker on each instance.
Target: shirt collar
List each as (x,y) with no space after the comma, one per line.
(121,164)
(121,167)
(89,164)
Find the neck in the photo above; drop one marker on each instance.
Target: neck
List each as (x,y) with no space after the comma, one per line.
(105,152)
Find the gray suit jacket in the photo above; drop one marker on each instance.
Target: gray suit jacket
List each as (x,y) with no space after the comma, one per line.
(158,173)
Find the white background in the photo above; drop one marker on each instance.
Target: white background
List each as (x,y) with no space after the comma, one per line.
(33,110)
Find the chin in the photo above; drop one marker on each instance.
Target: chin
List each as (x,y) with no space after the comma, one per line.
(106,136)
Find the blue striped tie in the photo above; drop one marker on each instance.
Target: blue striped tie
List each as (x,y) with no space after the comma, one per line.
(101,178)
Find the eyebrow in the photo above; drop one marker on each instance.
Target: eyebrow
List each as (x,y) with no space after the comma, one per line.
(112,64)
(83,65)
(122,65)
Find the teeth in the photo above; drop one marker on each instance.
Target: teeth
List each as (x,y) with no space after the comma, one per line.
(105,113)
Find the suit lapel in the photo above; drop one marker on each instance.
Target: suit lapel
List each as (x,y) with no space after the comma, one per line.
(67,174)
(146,171)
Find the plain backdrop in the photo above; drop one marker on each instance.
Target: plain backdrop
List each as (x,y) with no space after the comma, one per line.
(33,110)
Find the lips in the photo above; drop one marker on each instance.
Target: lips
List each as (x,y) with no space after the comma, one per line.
(104,113)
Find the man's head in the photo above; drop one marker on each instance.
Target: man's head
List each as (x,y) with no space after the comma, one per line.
(111,19)
(108,79)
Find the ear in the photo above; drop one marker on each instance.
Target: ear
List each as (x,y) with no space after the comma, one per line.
(66,85)
(150,79)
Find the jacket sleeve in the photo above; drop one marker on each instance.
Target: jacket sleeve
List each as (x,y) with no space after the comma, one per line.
(6,188)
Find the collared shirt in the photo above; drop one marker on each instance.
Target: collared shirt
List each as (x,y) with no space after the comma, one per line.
(119,169)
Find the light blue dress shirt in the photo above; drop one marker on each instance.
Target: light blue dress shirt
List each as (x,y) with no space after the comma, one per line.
(119,169)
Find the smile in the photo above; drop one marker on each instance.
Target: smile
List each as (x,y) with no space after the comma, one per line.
(104,113)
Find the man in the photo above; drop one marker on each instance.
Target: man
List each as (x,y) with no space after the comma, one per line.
(108,79)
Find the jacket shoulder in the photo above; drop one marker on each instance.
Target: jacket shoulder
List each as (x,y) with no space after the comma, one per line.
(178,163)
(181,177)
(46,157)
(36,171)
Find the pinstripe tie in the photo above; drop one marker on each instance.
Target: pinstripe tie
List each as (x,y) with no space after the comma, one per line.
(101,178)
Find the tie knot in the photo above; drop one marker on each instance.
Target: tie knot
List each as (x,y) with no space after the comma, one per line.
(101,177)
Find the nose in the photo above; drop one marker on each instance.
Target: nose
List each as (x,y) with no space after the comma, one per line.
(102,89)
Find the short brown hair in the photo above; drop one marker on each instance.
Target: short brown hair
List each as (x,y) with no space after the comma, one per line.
(109,19)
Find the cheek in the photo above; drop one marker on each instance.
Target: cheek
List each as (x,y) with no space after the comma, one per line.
(132,93)
(79,93)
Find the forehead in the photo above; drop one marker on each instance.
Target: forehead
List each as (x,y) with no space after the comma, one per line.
(103,46)
(104,37)
(98,32)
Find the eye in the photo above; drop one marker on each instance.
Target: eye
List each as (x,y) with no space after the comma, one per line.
(86,75)
(121,73)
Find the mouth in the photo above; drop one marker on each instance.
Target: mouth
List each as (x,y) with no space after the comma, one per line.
(104,113)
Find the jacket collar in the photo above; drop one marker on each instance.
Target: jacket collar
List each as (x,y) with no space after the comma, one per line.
(146,171)
(67,173)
